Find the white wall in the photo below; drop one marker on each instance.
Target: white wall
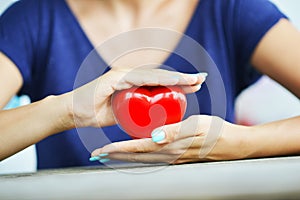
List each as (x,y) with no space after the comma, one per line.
(291,8)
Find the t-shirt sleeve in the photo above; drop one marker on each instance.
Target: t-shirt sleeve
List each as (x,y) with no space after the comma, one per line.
(253,19)
(17,37)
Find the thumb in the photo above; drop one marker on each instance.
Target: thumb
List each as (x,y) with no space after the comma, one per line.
(192,126)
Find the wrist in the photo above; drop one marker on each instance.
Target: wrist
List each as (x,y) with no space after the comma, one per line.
(253,142)
(60,109)
(247,144)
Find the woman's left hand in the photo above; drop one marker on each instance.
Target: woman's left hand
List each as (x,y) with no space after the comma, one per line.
(198,138)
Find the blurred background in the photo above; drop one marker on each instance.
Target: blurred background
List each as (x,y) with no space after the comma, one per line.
(263,102)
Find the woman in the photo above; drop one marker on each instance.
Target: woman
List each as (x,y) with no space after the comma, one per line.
(43,44)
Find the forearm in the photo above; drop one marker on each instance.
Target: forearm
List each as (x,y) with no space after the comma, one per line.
(27,125)
(276,138)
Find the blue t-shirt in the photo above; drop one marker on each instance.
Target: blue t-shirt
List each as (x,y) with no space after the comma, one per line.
(47,44)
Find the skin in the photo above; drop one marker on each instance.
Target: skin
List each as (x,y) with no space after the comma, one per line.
(57,113)
(277,55)
(183,140)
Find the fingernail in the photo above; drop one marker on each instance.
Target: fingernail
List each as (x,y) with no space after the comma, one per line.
(94,158)
(203,74)
(103,154)
(104,160)
(158,135)
(198,87)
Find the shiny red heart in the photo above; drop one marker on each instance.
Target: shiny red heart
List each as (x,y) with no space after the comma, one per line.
(139,110)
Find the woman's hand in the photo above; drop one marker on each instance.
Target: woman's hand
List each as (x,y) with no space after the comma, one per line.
(198,138)
(91,103)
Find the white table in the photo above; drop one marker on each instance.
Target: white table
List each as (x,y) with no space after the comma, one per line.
(273,178)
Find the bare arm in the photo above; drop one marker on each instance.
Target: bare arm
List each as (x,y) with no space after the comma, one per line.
(10,80)
(24,126)
(278,56)
(275,139)
(197,139)
(85,106)
(27,125)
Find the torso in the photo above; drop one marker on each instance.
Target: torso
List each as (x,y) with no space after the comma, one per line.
(63,46)
(101,21)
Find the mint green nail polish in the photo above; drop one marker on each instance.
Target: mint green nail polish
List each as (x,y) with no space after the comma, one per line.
(104,160)
(94,158)
(158,135)
(103,154)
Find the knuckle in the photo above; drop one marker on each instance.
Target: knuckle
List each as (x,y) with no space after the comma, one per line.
(171,134)
(171,137)
(141,147)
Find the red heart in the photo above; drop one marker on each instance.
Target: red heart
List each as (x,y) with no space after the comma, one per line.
(139,110)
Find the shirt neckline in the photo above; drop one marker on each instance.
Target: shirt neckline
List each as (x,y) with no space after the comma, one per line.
(187,30)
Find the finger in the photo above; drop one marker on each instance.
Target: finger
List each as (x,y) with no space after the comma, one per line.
(147,146)
(181,151)
(189,160)
(191,155)
(195,148)
(187,148)
(137,146)
(154,77)
(184,161)
(191,89)
(180,78)
(143,157)
(182,145)
(192,126)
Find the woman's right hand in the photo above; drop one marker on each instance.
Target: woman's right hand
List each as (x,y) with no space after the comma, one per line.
(90,104)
